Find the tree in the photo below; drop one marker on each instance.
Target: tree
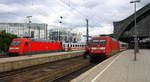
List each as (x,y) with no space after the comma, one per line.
(5,40)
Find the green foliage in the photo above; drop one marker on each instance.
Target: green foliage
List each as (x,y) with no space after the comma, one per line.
(5,40)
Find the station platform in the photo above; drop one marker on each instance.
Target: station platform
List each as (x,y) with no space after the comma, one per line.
(13,63)
(120,68)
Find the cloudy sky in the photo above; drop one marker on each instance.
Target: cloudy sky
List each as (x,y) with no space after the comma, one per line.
(101,13)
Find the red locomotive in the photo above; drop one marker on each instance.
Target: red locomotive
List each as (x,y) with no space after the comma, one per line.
(103,47)
(25,46)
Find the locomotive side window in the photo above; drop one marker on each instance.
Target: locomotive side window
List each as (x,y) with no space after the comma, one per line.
(15,43)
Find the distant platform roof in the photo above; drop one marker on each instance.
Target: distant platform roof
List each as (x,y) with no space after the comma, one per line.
(120,27)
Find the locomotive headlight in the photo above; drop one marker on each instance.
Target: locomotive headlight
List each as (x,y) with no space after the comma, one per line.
(14,48)
(102,48)
(11,48)
(93,48)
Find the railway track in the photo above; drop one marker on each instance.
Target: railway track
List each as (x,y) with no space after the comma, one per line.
(45,72)
(68,77)
(74,74)
(3,56)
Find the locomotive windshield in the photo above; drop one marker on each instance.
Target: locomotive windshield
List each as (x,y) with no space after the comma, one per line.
(15,43)
(98,42)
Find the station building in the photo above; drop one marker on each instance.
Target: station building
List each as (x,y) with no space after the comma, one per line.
(64,35)
(34,30)
(126,31)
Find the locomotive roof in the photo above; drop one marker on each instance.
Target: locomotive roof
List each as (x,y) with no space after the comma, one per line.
(100,37)
(35,40)
(42,40)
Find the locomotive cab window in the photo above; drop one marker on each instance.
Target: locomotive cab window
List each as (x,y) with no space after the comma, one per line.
(98,42)
(15,42)
(102,42)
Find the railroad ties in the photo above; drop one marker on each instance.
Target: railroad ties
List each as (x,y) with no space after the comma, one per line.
(45,72)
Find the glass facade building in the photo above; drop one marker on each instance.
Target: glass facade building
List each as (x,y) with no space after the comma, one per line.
(64,35)
(34,30)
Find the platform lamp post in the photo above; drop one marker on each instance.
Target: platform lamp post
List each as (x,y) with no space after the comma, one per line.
(29,22)
(59,37)
(136,45)
(87,32)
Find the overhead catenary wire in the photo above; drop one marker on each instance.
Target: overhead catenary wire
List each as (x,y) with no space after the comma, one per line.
(82,15)
(34,2)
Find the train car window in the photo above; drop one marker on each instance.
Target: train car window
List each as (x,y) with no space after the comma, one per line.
(15,42)
(123,45)
(114,39)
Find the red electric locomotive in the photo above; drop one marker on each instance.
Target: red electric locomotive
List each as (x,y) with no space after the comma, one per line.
(102,47)
(27,46)
(23,46)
